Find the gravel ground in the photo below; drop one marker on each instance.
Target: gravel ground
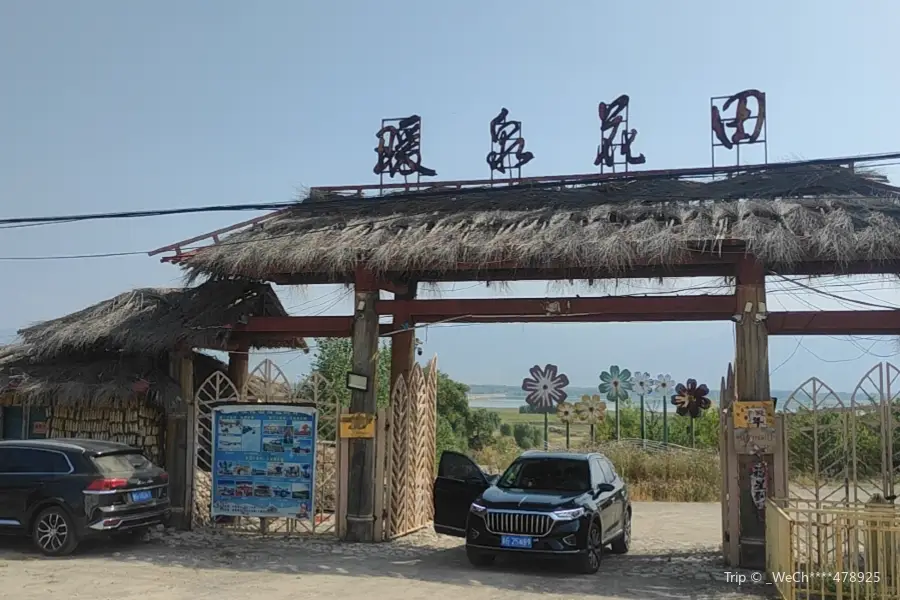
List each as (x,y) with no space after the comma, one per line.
(675,555)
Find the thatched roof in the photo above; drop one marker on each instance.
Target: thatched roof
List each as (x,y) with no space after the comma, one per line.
(151,321)
(783,215)
(108,380)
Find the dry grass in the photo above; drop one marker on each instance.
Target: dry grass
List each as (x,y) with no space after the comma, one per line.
(109,381)
(147,321)
(652,475)
(783,215)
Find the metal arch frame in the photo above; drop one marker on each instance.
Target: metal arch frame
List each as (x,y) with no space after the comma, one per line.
(884,377)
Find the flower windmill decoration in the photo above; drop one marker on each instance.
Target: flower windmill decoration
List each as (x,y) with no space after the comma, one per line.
(691,399)
(546,387)
(664,385)
(566,412)
(643,384)
(616,383)
(591,409)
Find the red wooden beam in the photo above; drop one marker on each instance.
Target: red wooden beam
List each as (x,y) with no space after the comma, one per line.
(607,309)
(834,322)
(298,326)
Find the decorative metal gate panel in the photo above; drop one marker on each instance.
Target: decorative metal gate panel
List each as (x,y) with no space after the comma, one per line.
(216,390)
(844,450)
(411,451)
(267,383)
(874,429)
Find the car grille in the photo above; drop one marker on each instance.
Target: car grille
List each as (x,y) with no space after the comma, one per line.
(518,523)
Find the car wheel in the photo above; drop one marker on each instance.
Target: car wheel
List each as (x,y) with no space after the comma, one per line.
(589,562)
(480,559)
(54,532)
(621,544)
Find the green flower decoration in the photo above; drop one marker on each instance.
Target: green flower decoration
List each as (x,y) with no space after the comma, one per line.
(616,383)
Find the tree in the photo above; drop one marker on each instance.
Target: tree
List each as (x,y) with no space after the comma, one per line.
(457,428)
(506,429)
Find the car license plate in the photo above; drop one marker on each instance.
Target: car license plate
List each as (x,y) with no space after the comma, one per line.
(515,541)
(142,496)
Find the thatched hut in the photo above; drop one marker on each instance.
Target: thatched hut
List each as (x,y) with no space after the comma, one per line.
(786,215)
(110,371)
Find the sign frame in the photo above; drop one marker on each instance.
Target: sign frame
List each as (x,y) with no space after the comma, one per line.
(254,464)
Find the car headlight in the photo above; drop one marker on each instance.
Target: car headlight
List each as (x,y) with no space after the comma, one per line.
(568,515)
(478,509)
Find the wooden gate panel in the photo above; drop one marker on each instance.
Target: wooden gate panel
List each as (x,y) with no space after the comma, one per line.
(409,505)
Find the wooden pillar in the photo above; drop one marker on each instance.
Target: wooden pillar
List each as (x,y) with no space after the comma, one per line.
(186,380)
(178,440)
(239,367)
(751,385)
(403,345)
(361,473)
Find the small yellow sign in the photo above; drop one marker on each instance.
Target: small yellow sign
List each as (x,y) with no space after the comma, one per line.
(357,425)
(754,415)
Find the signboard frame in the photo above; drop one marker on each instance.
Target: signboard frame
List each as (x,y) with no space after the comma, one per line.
(255,466)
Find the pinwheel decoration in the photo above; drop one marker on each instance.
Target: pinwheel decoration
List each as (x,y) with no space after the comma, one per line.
(545,387)
(643,386)
(664,386)
(566,412)
(591,410)
(615,383)
(691,399)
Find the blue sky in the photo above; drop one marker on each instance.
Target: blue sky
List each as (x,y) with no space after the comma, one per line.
(112,106)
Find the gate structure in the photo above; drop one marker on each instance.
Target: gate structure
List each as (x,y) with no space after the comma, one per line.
(267,383)
(410,471)
(844,450)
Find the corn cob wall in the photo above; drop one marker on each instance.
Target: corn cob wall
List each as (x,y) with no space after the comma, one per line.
(139,425)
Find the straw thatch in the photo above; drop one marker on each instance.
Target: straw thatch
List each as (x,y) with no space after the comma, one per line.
(783,215)
(151,321)
(110,380)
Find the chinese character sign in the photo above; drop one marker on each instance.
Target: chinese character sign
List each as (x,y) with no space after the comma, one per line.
(264,461)
(738,123)
(507,145)
(400,149)
(614,117)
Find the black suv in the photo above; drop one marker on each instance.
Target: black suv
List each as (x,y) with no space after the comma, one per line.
(547,504)
(61,491)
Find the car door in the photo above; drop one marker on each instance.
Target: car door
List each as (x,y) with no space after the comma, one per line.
(617,496)
(26,473)
(606,503)
(459,482)
(8,518)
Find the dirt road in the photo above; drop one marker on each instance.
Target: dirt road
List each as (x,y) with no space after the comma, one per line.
(675,555)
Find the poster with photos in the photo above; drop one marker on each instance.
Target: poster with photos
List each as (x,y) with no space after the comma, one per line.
(263,460)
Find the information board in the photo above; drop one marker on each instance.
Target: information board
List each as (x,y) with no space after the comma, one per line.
(264,461)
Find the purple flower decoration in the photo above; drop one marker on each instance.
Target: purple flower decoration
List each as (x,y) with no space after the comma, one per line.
(690,399)
(545,388)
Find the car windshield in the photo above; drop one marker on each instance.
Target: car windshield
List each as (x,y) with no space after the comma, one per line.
(551,474)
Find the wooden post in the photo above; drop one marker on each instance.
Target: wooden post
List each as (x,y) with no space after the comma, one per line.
(186,379)
(403,351)
(361,484)
(751,384)
(177,437)
(380,464)
(239,367)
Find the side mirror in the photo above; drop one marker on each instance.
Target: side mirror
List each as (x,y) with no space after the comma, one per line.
(603,488)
